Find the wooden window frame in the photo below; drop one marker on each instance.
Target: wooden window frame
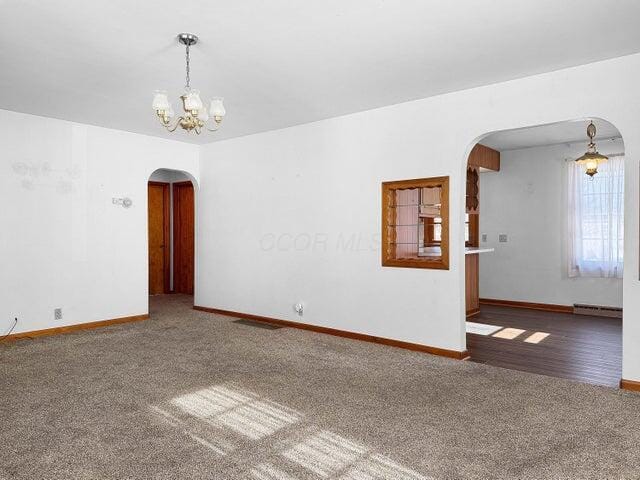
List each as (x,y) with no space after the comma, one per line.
(388,218)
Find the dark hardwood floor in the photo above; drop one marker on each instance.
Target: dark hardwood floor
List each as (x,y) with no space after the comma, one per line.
(579,347)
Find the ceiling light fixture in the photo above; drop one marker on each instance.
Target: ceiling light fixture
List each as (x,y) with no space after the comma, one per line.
(195,115)
(591,158)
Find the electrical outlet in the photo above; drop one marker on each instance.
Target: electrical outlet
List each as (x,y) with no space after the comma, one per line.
(484,238)
(57,314)
(502,238)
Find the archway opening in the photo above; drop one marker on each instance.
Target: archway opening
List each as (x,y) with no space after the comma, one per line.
(544,252)
(171,233)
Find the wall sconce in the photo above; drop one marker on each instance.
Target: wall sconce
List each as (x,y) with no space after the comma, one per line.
(126,202)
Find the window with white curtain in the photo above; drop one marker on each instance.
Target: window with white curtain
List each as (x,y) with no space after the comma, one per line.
(596,220)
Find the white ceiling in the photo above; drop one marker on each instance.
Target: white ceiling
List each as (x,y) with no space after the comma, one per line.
(284,62)
(550,134)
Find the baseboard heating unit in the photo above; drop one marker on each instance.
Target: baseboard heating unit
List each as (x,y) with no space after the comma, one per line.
(597,310)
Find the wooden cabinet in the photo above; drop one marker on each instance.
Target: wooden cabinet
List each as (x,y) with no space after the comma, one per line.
(484,157)
(471,272)
(472,283)
(481,157)
(473,190)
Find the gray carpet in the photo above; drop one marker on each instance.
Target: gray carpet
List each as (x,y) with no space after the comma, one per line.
(197,396)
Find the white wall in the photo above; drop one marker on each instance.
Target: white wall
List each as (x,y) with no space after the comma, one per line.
(64,244)
(322,181)
(170,177)
(527,201)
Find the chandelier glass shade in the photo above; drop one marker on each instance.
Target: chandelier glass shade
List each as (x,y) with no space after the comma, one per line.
(591,159)
(196,116)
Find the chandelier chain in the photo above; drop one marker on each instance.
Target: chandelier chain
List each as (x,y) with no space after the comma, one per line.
(188,69)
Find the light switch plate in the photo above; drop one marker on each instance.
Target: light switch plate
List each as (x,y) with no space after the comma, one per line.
(57,314)
(502,238)
(484,238)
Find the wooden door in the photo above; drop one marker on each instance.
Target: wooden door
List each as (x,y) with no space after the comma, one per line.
(183,237)
(158,238)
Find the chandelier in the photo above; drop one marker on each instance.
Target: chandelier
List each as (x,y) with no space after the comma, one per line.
(195,117)
(592,158)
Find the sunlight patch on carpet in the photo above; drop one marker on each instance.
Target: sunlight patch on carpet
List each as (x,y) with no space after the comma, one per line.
(329,455)
(238,409)
(225,419)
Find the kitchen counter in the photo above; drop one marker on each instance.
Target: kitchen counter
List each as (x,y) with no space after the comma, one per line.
(435,251)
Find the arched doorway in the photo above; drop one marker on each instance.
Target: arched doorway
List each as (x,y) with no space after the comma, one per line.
(171,232)
(525,308)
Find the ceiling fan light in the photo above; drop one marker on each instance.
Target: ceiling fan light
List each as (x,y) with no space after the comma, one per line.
(160,101)
(217,107)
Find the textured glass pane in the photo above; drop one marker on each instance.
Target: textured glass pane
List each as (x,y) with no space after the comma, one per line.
(437,232)
(406,242)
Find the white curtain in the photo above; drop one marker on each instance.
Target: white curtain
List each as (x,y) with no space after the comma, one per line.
(596,220)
